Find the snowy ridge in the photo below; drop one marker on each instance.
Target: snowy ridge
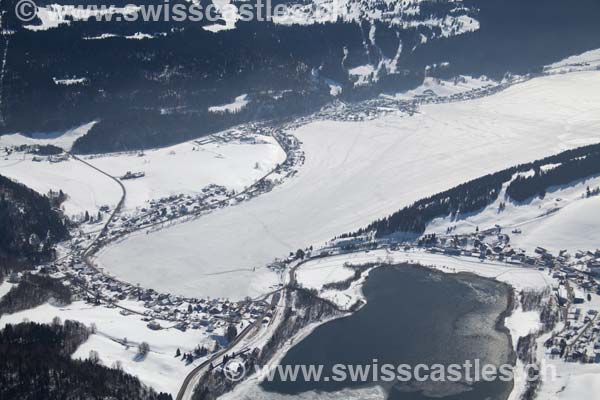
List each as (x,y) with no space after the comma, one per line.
(64,140)
(585,61)
(404,14)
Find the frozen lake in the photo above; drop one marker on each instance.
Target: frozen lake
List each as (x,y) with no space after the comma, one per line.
(356,172)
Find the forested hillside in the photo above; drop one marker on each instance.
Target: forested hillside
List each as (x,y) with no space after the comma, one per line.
(560,169)
(35,364)
(29,225)
(157,91)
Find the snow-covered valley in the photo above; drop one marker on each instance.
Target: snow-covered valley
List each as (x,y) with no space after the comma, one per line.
(224,159)
(353,173)
(357,172)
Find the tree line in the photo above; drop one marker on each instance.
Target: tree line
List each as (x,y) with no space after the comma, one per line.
(525,187)
(36,364)
(477,194)
(29,225)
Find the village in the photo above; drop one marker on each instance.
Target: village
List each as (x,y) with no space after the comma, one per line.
(160,311)
(374,108)
(576,277)
(163,311)
(575,273)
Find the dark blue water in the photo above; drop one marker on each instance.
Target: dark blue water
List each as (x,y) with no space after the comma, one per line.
(412,316)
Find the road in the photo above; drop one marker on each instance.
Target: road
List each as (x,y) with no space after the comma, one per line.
(199,212)
(88,250)
(193,377)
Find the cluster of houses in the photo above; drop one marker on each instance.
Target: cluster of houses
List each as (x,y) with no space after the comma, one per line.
(158,310)
(164,210)
(579,341)
(40,153)
(374,108)
(575,276)
(133,175)
(161,310)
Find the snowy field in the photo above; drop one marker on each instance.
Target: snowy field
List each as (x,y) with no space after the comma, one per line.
(589,59)
(356,172)
(439,87)
(237,105)
(563,219)
(86,188)
(575,227)
(5,288)
(63,140)
(184,168)
(188,167)
(159,369)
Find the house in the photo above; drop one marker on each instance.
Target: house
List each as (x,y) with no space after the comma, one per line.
(578,299)
(155,326)
(452,251)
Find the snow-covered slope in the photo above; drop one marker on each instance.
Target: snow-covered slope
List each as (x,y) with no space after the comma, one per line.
(160,369)
(86,188)
(588,60)
(5,288)
(357,172)
(565,218)
(63,140)
(575,227)
(188,167)
(439,87)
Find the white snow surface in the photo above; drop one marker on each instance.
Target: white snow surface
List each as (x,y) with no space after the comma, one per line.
(522,323)
(237,105)
(575,227)
(363,73)
(318,272)
(563,220)
(160,369)
(229,15)
(439,87)
(356,172)
(5,288)
(188,167)
(63,140)
(69,81)
(87,189)
(588,59)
